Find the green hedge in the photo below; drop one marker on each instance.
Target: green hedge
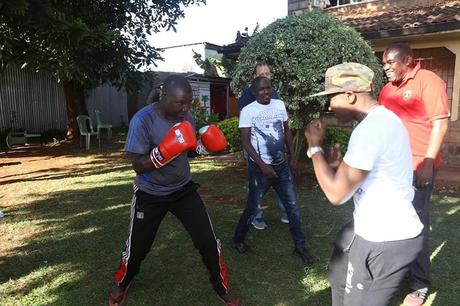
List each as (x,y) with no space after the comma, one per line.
(231,131)
(300,48)
(337,135)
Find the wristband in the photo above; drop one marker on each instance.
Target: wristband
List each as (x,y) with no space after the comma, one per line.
(313,150)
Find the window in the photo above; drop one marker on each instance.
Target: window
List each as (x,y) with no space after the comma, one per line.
(335,3)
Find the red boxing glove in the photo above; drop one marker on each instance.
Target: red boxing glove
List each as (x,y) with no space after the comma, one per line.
(212,139)
(180,138)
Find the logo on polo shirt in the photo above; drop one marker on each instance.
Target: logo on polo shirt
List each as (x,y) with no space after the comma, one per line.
(407,94)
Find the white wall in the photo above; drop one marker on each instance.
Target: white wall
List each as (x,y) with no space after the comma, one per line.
(180,59)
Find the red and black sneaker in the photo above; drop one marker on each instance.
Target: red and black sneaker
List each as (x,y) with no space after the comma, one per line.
(118,295)
(230,300)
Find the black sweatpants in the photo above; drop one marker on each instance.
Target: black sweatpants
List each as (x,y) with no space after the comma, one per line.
(363,272)
(147,212)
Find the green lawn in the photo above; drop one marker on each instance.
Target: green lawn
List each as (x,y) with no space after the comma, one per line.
(62,238)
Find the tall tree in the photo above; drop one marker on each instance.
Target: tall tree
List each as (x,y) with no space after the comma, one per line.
(85,42)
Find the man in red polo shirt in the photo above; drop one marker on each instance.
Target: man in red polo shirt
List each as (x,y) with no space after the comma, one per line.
(419,98)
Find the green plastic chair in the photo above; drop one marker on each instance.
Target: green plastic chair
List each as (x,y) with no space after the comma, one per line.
(101,126)
(86,129)
(20,138)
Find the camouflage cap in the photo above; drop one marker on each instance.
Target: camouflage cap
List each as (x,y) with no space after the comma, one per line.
(347,77)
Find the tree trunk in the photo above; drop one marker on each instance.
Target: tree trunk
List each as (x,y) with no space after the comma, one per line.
(297,142)
(75,105)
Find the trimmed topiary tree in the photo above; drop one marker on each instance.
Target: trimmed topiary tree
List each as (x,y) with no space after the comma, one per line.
(300,48)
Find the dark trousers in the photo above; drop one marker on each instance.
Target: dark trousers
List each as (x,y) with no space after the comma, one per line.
(363,272)
(284,187)
(148,211)
(420,271)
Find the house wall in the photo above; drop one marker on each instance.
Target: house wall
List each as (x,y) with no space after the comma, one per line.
(451,75)
(233,109)
(297,6)
(180,58)
(201,91)
(212,93)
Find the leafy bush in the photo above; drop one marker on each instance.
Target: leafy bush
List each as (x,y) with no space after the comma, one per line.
(231,131)
(300,48)
(201,114)
(337,135)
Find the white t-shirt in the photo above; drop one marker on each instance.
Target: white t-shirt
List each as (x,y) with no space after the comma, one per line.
(267,130)
(383,203)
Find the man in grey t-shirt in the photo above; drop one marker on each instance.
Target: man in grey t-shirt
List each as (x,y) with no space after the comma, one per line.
(161,187)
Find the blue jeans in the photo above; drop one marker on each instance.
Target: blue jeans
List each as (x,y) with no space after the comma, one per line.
(284,187)
(259,215)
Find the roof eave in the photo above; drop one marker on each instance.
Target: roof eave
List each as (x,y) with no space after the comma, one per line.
(444,28)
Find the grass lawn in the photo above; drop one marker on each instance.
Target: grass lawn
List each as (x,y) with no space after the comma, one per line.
(66,222)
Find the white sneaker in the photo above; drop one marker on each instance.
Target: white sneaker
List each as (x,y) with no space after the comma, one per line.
(284,219)
(259,224)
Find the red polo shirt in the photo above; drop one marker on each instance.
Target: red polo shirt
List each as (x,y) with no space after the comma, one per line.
(418,100)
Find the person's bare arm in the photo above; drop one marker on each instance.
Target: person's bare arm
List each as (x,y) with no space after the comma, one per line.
(141,163)
(334,156)
(438,132)
(340,185)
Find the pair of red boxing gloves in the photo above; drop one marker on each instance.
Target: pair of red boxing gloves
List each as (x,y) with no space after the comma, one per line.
(181,137)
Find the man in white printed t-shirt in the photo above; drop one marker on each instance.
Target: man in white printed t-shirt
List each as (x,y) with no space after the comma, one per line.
(369,263)
(265,134)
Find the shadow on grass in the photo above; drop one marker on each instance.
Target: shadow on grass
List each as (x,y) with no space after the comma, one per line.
(72,260)
(49,149)
(445,247)
(444,258)
(77,170)
(103,164)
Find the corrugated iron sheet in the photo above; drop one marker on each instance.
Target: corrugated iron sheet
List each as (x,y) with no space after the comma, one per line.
(35,102)
(111,102)
(31,101)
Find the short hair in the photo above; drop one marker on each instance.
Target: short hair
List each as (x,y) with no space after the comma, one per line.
(174,82)
(256,81)
(262,63)
(402,48)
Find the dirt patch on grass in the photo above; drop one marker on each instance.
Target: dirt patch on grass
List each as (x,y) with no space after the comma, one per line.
(68,159)
(226,199)
(447,189)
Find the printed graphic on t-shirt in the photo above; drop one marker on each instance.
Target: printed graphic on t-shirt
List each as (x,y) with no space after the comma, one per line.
(268,136)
